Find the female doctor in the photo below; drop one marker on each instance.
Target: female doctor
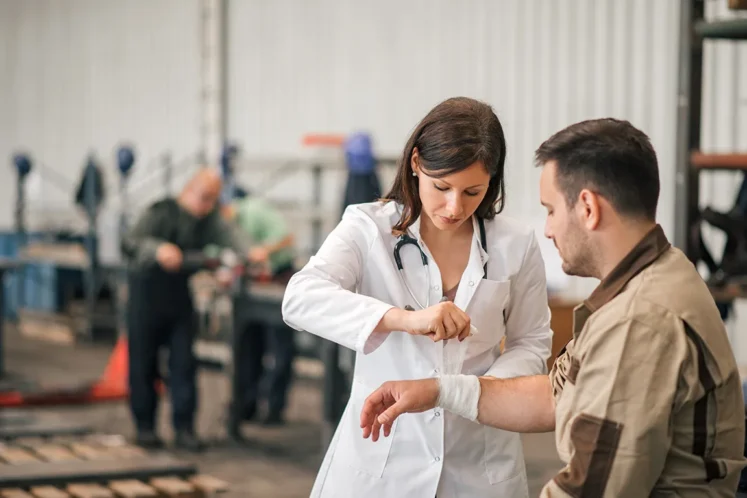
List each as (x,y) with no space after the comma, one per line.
(409,281)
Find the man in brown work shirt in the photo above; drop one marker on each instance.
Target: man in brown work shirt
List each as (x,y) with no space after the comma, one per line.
(646,398)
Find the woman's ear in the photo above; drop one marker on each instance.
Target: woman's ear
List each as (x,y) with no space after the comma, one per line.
(414,162)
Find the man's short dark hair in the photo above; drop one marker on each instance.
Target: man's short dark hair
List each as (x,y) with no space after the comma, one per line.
(610,157)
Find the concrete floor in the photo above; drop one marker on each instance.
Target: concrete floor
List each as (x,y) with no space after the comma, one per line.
(278,463)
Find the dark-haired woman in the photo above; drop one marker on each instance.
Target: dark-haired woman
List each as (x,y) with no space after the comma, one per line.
(429,281)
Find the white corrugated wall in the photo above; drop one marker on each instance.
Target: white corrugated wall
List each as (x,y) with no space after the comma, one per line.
(82,75)
(323,65)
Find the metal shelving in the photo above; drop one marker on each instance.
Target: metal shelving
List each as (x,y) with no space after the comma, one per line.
(691,160)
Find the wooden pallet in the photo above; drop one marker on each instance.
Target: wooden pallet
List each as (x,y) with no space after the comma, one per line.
(96,466)
(18,424)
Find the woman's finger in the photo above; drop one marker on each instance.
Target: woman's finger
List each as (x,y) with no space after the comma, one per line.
(450,327)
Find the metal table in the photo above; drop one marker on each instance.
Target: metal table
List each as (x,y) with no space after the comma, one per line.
(262,302)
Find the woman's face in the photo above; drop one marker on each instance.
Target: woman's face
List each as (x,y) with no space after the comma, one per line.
(451,200)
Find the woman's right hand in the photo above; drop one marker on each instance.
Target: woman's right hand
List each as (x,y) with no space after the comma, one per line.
(439,322)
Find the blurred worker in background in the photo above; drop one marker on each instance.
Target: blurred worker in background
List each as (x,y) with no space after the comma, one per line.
(160,310)
(272,249)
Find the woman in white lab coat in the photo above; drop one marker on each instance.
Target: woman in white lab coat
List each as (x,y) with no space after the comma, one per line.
(446,197)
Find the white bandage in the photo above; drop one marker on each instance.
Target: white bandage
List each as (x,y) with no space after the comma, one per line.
(459,394)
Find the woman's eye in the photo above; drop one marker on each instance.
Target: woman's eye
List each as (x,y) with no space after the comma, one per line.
(442,189)
(472,194)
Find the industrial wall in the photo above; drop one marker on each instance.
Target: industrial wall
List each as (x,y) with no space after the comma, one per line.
(83,75)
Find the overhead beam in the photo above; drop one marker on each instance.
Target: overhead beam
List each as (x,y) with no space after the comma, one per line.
(213,48)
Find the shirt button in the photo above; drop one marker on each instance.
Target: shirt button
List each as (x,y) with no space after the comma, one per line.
(436,287)
(438,414)
(438,459)
(471,283)
(435,371)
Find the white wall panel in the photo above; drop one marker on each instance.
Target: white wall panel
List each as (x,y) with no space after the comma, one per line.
(81,76)
(320,65)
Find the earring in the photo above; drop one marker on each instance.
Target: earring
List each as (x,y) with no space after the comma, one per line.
(414,174)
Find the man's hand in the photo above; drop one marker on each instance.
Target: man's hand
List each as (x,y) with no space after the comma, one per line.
(393,399)
(169,256)
(224,277)
(259,255)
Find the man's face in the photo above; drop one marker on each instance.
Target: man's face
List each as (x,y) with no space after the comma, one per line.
(564,226)
(202,196)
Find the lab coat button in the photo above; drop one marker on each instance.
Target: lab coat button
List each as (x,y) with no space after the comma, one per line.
(438,459)
(471,283)
(436,287)
(438,414)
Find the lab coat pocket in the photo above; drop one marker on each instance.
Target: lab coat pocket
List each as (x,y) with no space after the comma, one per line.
(362,454)
(504,455)
(487,310)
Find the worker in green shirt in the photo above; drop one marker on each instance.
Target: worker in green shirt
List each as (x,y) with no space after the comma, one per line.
(272,247)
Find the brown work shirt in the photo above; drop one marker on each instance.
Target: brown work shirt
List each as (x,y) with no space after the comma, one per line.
(648,396)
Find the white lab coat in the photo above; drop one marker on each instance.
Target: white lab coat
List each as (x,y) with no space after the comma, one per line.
(342,293)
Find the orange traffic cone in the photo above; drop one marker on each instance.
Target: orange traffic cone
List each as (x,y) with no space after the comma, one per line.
(114,383)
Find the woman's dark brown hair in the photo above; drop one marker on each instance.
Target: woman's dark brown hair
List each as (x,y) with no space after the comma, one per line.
(453,136)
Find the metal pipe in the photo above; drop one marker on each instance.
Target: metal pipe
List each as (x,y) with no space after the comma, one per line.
(91,271)
(689,100)
(167,166)
(21,240)
(732,29)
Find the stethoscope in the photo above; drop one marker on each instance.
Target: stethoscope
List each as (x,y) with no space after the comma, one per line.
(406,239)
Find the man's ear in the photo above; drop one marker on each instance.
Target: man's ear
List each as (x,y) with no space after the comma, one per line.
(589,209)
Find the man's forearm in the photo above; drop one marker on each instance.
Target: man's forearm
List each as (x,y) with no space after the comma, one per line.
(141,251)
(520,404)
(283,243)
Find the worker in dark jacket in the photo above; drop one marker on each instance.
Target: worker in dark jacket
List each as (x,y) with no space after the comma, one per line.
(160,310)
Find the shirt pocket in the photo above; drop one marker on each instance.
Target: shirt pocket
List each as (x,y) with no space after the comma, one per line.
(487,310)
(353,450)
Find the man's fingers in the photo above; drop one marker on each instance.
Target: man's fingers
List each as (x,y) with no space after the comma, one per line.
(372,407)
(387,429)
(394,411)
(375,431)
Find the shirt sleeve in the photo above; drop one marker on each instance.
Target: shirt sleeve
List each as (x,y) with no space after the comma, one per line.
(225,234)
(268,225)
(321,298)
(528,334)
(140,244)
(624,390)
